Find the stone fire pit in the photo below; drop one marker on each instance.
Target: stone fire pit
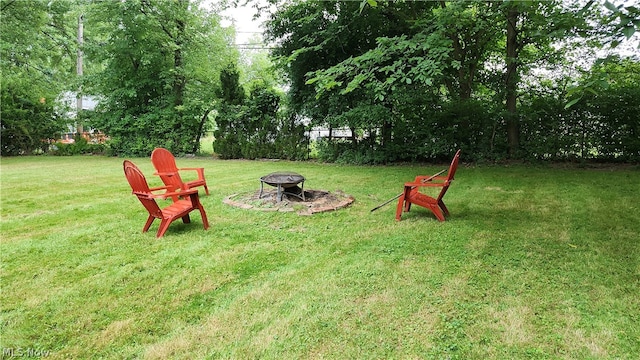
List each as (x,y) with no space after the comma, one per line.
(316,201)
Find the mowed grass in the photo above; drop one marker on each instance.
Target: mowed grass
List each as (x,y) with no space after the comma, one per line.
(534,262)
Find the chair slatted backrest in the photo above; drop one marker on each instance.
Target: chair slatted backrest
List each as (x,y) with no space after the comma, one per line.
(165,164)
(140,188)
(450,175)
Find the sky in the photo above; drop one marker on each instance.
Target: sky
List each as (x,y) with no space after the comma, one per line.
(246,26)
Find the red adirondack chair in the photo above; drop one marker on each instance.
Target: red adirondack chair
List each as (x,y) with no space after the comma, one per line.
(165,164)
(412,194)
(179,209)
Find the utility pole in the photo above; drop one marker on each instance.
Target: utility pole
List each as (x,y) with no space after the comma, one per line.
(79,127)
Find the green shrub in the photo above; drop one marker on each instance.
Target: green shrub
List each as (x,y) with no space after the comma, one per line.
(258,129)
(27,121)
(79,147)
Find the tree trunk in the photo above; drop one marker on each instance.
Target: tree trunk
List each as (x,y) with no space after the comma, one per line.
(179,82)
(354,138)
(79,72)
(203,120)
(511,82)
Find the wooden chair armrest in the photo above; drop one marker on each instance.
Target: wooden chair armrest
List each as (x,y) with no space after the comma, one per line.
(199,170)
(176,193)
(167,194)
(164,173)
(157,188)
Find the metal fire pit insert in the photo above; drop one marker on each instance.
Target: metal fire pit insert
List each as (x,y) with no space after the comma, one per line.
(285,182)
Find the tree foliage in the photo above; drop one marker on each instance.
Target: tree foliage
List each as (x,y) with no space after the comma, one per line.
(160,61)
(411,80)
(256,126)
(450,46)
(603,126)
(315,35)
(449,75)
(36,57)
(625,21)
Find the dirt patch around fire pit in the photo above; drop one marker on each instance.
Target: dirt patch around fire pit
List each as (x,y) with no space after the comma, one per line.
(316,201)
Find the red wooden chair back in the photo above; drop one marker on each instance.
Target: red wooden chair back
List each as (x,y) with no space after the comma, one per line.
(450,175)
(141,188)
(165,164)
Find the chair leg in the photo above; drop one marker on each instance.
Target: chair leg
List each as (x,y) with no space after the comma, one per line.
(186,219)
(437,212)
(147,225)
(205,221)
(195,202)
(206,189)
(444,208)
(399,207)
(408,193)
(164,225)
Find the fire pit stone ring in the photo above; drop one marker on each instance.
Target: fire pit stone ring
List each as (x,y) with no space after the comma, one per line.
(283,181)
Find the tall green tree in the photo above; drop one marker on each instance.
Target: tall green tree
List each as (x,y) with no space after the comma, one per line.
(160,61)
(532,30)
(228,134)
(257,68)
(37,58)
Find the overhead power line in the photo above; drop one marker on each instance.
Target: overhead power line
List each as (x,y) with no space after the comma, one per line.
(255,48)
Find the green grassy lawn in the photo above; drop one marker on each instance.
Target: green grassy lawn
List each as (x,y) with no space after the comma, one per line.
(534,262)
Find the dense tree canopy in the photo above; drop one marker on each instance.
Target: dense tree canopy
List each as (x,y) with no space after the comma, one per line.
(153,65)
(453,44)
(160,68)
(314,35)
(411,80)
(449,75)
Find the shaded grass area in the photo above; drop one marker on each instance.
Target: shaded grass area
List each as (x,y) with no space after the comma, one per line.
(534,262)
